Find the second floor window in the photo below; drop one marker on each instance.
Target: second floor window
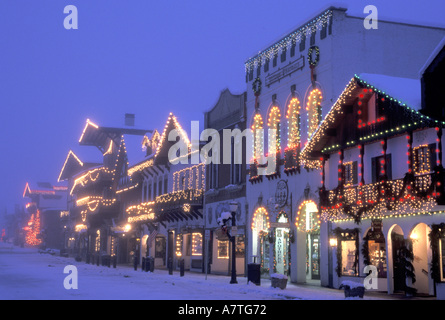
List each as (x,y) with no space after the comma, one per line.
(350,173)
(424,158)
(381,168)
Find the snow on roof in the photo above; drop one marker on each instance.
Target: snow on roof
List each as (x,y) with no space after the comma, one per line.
(404,90)
(432,57)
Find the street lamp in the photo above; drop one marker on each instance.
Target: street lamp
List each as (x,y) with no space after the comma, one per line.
(226,216)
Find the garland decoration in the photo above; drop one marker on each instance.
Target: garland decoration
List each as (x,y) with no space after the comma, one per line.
(411,191)
(256,87)
(437,232)
(313,63)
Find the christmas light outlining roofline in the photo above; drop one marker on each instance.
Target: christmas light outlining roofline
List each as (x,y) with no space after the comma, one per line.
(86,127)
(66,161)
(293,37)
(178,127)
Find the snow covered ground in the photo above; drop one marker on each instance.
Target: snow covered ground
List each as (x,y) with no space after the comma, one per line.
(26,274)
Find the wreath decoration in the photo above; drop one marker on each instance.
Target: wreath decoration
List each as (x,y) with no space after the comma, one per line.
(312,62)
(256,86)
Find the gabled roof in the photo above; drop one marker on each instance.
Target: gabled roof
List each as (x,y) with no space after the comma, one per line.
(161,155)
(95,135)
(73,166)
(432,57)
(43,188)
(402,114)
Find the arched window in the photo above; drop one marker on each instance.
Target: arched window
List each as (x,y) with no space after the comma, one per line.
(314,111)
(274,124)
(260,233)
(293,119)
(258,142)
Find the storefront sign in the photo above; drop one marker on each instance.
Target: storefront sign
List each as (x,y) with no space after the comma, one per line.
(285,71)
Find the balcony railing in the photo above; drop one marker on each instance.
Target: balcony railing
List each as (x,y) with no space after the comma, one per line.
(179,198)
(413,193)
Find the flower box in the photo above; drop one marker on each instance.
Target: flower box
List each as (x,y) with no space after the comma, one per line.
(278,281)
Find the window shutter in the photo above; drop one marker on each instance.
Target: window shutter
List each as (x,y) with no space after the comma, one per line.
(340,180)
(388,167)
(354,173)
(374,169)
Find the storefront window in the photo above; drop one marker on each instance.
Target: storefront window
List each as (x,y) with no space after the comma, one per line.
(196,244)
(377,257)
(223,250)
(240,246)
(348,258)
(179,245)
(442,258)
(347,252)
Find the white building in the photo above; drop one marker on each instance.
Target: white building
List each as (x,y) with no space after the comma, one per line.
(291,85)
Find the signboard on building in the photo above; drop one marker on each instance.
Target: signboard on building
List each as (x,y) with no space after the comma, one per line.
(285,71)
(281,193)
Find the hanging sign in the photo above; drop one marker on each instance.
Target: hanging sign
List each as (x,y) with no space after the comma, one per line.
(281,193)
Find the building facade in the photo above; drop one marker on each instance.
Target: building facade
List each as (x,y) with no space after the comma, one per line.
(382,191)
(226,183)
(166,210)
(94,209)
(291,85)
(47,207)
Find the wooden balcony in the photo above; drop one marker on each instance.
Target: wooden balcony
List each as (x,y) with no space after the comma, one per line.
(412,194)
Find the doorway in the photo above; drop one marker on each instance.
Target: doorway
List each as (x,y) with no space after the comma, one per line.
(398,243)
(282,245)
(313,256)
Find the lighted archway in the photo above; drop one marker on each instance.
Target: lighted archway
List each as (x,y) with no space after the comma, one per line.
(293,120)
(313,107)
(274,125)
(258,136)
(260,234)
(308,226)
(422,258)
(308,217)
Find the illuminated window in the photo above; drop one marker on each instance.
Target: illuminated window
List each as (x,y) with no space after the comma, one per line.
(348,253)
(196,244)
(314,110)
(350,172)
(293,118)
(424,158)
(260,230)
(274,125)
(258,139)
(442,258)
(223,250)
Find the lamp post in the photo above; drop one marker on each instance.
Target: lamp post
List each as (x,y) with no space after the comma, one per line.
(226,216)
(233,208)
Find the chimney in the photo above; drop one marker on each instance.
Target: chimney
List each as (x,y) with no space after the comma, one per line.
(129,119)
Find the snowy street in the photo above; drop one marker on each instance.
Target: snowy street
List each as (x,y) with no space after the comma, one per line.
(26,274)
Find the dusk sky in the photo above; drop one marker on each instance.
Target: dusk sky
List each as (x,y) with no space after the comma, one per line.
(140,56)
